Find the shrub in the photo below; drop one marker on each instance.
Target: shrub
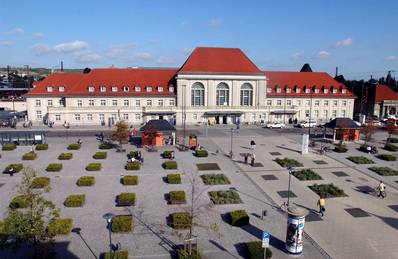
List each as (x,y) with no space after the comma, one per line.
(201,153)
(17,167)
(40,182)
(133,153)
(60,226)
(391,147)
(55,167)
(65,156)
(29,156)
(387,157)
(306,175)
(177,197)
(184,254)
(3,234)
(86,181)
(41,146)
(327,190)
(286,162)
(100,155)
(75,200)
(384,171)
(181,220)
(238,218)
(340,149)
(94,167)
(392,140)
(130,180)
(225,197)
(121,254)
(8,147)
(74,146)
(364,148)
(126,199)
(169,165)
(214,179)
(105,146)
(174,178)
(256,251)
(167,154)
(360,160)
(122,223)
(132,166)
(20,201)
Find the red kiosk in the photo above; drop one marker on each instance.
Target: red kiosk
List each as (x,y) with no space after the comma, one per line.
(344,129)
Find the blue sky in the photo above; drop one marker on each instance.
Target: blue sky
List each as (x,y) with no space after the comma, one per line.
(360,37)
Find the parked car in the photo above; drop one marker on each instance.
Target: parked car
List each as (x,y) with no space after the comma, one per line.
(273,125)
(308,124)
(373,122)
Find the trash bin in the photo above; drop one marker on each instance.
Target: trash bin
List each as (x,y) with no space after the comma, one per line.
(295,228)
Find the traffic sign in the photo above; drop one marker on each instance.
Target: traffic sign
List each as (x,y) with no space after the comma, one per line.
(266,236)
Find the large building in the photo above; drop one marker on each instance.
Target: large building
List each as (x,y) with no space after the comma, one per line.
(214,85)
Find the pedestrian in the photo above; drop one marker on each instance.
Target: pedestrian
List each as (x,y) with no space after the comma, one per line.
(134,132)
(321,203)
(382,189)
(31,149)
(11,171)
(246,156)
(252,144)
(253,157)
(369,149)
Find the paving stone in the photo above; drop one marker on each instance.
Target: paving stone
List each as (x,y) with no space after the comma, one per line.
(207,166)
(339,174)
(365,189)
(269,177)
(357,212)
(320,162)
(312,217)
(275,153)
(258,165)
(394,207)
(363,179)
(284,194)
(1,184)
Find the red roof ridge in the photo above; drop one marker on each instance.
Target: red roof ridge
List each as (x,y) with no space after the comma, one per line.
(384,92)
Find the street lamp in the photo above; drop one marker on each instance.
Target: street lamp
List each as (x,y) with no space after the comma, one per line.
(108,217)
(288,189)
(231,154)
(309,119)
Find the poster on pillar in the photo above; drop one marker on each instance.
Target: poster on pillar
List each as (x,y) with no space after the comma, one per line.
(304,144)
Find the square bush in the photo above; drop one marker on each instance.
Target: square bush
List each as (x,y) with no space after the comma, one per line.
(126,199)
(384,171)
(29,156)
(41,146)
(105,146)
(8,147)
(86,181)
(392,140)
(387,157)
(174,178)
(239,218)
(100,155)
(134,153)
(306,175)
(170,165)
(391,147)
(40,182)
(130,180)
(75,200)
(214,179)
(327,190)
(65,156)
(201,153)
(122,223)
(60,226)
(17,167)
(255,250)
(225,197)
(340,149)
(132,166)
(55,167)
(94,167)
(20,201)
(286,162)
(74,146)
(181,220)
(360,160)
(167,154)
(177,197)
(120,254)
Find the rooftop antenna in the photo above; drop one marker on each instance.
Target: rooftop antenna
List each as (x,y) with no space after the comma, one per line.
(337,71)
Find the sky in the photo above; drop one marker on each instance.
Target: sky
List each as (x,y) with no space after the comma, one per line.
(360,37)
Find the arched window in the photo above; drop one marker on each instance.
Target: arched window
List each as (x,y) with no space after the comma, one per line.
(246,95)
(198,94)
(222,94)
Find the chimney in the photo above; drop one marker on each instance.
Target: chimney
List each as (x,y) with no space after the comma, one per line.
(62,66)
(337,71)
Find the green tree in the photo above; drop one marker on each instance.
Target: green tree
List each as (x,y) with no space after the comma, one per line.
(368,130)
(29,226)
(121,133)
(392,129)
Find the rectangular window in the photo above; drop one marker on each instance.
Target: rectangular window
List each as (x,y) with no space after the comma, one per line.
(316,113)
(149,88)
(113,116)
(90,102)
(307,102)
(298,102)
(126,102)
(148,102)
(278,90)
(102,117)
(334,113)
(288,102)
(38,103)
(194,116)
(138,116)
(326,103)
(172,102)
(38,115)
(125,116)
(278,116)
(335,103)
(269,90)
(57,117)
(160,88)
(343,113)
(49,89)
(77,117)
(269,102)
(91,89)
(79,103)
(103,102)
(89,117)
(325,114)
(307,113)
(114,102)
(316,102)
(344,103)
(138,103)
(160,102)
(61,89)
(278,102)
(288,90)
(50,102)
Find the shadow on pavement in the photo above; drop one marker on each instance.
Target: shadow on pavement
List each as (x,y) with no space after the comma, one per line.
(77,231)
(219,246)
(290,149)
(392,222)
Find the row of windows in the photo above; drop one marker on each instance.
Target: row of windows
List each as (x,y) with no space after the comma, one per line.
(279,102)
(126,102)
(308,90)
(148,89)
(90,116)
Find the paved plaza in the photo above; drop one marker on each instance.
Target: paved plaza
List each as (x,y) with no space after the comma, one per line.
(357,226)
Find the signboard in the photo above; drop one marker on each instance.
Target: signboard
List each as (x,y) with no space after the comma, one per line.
(266,237)
(294,236)
(304,144)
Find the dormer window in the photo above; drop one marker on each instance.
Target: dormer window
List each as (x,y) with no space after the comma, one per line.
(49,88)
(138,88)
(61,89)
(91,89)
(160,88)
(269,90)
(114,88)
(171,89)
(298,90)
(343,91)
(325,90)
(307,90)
(334,90)
(149,88)
(126,88)
(316,90)
(102,89)
(288,90)
(278,90)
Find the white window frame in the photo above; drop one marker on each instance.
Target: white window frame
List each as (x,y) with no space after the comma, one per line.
(126,102)
(91,89)
(114,88)
(103,89)
(49,89)
(61,89)
(103,102)
(149,89)
(172,102)
(79,103)
(138,103)
(160,102)
(91,102)
(137,88)
(126,88)
(89,116)
(77,117)
(149,102)
(125,116)
(49,102)
(57,117)
(38,103)
(114,102)
(160,89)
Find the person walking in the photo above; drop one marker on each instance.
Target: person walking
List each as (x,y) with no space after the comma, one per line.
(252,144)
(382,190)
(253,157)
(321,203)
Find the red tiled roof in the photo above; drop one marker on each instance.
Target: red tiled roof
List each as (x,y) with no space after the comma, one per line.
(303,80)
(55,80)
(383,92)
(219,61)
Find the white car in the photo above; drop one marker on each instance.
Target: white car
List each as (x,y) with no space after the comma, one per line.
(274,125)
(308,124)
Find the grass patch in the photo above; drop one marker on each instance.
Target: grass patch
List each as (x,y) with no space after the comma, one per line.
(65,156)
(391,147)
(8,147)
(286,162)
(201,153)
(132,166)
(392,140)
(105,146)
(214,179)
(94,167)
(255,250)
(41,147)
(60,226)
(19,202)
(239,218)
(340,149)
(29,156)
(74,146)
(122,223)
(85,181)
(121,254)
(100,155)
(387,157)
(126,199)
(174,178)
(184,254)
(17,167)
(360,160)
(130,180)
(306,175)
(225,197)
(384,171)
(40,182)
(181,220)
(55,167)
(169,165)
(75,200)
(177,197)
(327,190)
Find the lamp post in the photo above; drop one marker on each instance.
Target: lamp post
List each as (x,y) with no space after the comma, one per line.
(288,188)
(108,217)
(309,119)
(184,118)
(231,154)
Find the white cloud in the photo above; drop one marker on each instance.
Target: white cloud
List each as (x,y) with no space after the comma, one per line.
(6,43)
(119,51)
(344,43)
(323,54)
(39,35)
(142,56)
(87,57)
(15,31)
(296,56)
(215,22)
(392,58)
(70,46)
(41,49)
(162,60)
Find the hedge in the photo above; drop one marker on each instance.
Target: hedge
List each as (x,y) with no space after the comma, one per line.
(126,199)
(133,153)
(201,153)
(340,149)
(29,156)
(20,201)
(132,166)
(167,153)
(65,156)
(74,146)
(130,180)
(387,157)
(184,254)
(256,251)
(60,226)
(170,165)
(94,167)
(100,155)
(86,181)
(225,197)
(306,175)
(121,254)
(105,146)
(391,147)
(286,162)
(17,167)
(181,220)
(177,197)
(54,167)
(122,223)
(40,182)
(75,200)
(8,147)
(364,148)
(41,146)
(392,140)
(239,218)
(214,179)
(3,234)
(360,160)
(384,171)
(327,190)
(174,178)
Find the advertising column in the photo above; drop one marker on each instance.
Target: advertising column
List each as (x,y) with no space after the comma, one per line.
(295,228)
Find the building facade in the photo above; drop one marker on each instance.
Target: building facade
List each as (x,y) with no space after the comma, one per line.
(214,85)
